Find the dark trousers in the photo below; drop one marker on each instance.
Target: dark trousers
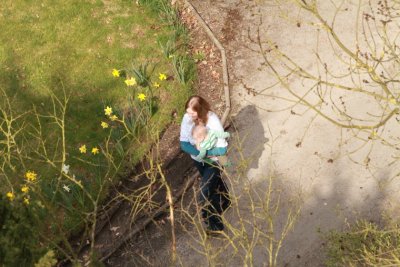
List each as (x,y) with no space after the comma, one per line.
(214,194)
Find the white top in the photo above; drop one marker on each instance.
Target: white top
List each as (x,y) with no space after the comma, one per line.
(213,123)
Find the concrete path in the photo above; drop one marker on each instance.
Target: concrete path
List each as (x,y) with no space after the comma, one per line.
(341,174)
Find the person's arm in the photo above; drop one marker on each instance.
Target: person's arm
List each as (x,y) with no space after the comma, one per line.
(187,147)
(185,134)
(217,151)
(201,154)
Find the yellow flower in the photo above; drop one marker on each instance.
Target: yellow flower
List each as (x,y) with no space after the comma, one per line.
(156,85)
(25,189)
(108,111)
(171,56)
(392,101)
(82,149)
(10,196)
(162,77)
(115,73)
(95,151)
(104,125)
(141,97)
(30,176)
(130,82)
(113,118)
(26,200)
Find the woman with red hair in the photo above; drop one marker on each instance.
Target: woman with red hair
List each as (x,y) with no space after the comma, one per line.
(214,196)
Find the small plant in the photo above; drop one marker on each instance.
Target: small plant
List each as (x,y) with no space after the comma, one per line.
(198,56)
(183,68)
(142,74)
(180,31)
(168,48)
(168,13)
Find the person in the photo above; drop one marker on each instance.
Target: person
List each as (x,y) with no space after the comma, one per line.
(207,139)
(214,195)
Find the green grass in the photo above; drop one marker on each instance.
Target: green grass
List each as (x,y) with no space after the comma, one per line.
(71,47)
(74,45)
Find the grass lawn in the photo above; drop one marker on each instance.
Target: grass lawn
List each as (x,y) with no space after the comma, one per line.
(48,48)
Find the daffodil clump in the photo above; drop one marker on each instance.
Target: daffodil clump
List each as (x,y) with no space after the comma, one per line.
(140,89)
(131,81)
(113,119)
(30,177)
(141,107)
(108,111)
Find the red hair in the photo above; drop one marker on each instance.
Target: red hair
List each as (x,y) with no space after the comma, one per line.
(199,105)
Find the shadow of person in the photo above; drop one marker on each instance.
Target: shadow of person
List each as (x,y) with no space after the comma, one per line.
(247,143)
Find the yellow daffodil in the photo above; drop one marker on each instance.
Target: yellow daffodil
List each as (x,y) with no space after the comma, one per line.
(26,200)
(104,125)
(141,97)
(156,85)
(10,196)
(130,82)
(25,189)
(82,149)
(113,118)
(108,111)
(95,151)
(115,73)
(30,176)
(162,77)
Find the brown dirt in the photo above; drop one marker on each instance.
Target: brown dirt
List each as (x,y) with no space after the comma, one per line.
(209,68)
